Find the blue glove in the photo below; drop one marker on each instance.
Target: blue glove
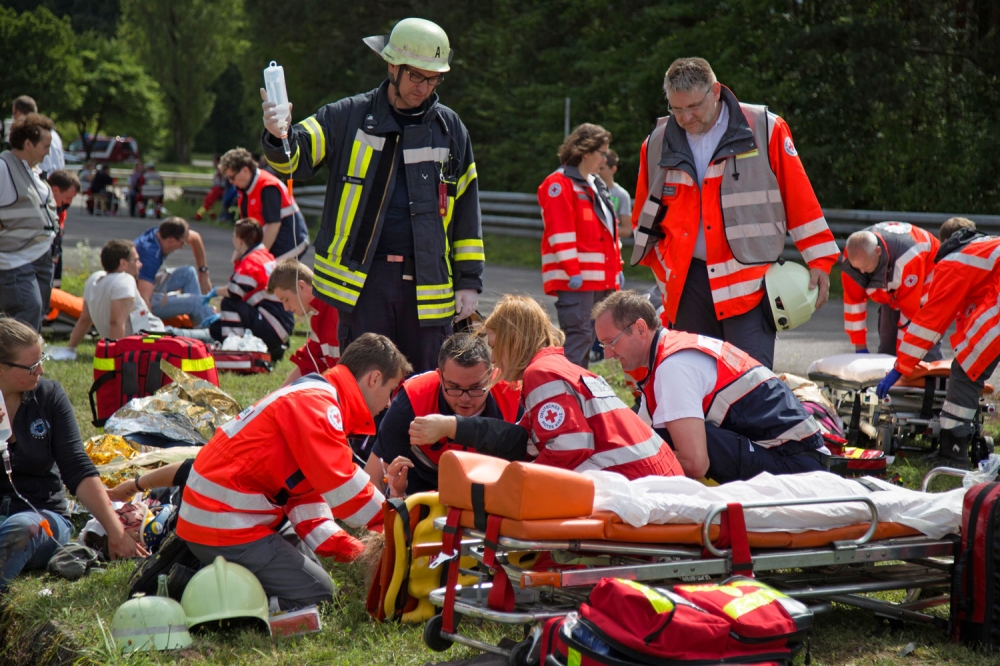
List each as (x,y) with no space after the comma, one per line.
(621,280)
(883,387)
(209,296)
(861,351)
(575,282)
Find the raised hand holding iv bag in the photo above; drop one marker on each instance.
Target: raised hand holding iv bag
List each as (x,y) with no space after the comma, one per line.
(274,84)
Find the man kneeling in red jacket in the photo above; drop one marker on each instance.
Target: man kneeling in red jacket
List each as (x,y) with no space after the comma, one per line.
(288,456)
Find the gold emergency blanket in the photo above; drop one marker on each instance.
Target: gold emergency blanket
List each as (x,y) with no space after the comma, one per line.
(117,470)
(188,410)
(110,451)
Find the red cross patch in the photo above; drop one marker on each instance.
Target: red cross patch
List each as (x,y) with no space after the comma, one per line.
(551,415)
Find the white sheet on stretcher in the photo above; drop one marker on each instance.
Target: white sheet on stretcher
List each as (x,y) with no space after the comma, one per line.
(664,500)
(861,368)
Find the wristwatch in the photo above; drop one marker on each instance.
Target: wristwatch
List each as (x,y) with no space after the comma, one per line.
(203,269)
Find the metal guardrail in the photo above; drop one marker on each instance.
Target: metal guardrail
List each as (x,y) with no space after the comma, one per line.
(121,175)
(518,214)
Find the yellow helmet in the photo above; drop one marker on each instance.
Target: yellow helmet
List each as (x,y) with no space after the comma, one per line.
(792,302)
(415,42)
(150,623)
(224,591)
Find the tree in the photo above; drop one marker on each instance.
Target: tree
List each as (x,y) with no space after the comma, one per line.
(37,52)
(116,95)
(185,45)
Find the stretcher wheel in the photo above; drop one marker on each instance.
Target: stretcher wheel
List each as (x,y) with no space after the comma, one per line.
(980,449)
(519,653)
(432,635)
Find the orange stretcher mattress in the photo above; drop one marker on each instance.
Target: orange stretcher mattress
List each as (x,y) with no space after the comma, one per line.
(541,503)
(940,368)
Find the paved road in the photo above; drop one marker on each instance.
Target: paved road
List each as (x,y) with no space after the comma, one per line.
(822,336)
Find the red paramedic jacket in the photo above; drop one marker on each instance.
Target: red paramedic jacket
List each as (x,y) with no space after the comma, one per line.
(286,456)
(575,421)
(322,350)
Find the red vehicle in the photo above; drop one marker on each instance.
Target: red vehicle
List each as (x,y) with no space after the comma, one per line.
(105,150)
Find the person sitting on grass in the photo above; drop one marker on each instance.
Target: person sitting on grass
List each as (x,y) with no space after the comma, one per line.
(246,303)
(46,452)
(291,283)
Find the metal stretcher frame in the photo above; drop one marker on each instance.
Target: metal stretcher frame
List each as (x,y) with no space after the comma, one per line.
(857,567)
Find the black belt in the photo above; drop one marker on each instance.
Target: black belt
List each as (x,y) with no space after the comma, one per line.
(408,264)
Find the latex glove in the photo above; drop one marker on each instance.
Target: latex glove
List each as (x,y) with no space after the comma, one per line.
(209,296)
(883,387)
(621,280)
(272,123)
(819,279)
(861,350)
(466,302)
(575,282)
(62,354)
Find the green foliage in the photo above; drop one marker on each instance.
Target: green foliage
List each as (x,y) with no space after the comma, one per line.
(38,55)
(229,124)
(185,45)
(84,15)
(118,96)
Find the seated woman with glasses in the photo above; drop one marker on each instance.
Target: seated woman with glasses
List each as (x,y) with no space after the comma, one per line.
(573,419)
(46,453)
(462,385)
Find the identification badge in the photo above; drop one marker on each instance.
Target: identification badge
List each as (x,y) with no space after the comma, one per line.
(598,387)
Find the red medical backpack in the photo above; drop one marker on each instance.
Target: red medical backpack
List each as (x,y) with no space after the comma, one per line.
(739,621)
(975,586)
(130,368)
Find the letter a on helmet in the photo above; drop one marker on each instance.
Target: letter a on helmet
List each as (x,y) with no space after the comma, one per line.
(415,42)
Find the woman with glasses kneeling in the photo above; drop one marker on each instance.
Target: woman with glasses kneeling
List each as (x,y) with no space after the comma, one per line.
(572,418)
(45,453)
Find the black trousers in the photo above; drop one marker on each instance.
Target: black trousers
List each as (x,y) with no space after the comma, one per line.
(752,331)
(388,306)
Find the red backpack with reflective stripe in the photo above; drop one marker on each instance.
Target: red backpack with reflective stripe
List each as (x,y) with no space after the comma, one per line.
(738,621)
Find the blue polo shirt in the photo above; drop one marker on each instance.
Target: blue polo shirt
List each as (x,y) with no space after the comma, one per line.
(150,254)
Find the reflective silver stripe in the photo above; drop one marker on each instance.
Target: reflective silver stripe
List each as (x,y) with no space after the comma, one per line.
(713,171)
(972,331)
(532,449)
(593,257)
(976,351)
(923,333)
(374,142)
(796,433)
(229,520)
(912,350)
(229,315)
(416,155)
(233,427)
(231,330)
(332,351)
(311,511)
(593,275)
(983,263)
(724,268)
(289,210)
(728,396)
(321,533)
(747,230)
(568,237)
(751,199)
(275,324)
(262,296)
(736,290)
(561,255)
(623,454)
(573,441)
(855,325)
(905,258)
(679,177)
(233,498)
(855,308)
(545,392)
(348,490)
(362,516)
(555,275)
(596,406)
(808,229)
(827,249)
(959,412)
(950,424)
(244,280)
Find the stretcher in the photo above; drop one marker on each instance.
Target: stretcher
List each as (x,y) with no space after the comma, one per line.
(909,418)
(541,550)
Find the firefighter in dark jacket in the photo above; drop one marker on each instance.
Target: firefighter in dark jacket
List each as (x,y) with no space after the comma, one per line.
(400,249)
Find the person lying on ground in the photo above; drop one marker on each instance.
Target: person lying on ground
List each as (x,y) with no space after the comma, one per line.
(46,452)
(288,456)
(291,284)
(573,419)
(726,416)
(463,385)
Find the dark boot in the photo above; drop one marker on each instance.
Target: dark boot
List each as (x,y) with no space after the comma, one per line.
(955,448)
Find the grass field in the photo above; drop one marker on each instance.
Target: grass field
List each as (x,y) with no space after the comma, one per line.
(81,612)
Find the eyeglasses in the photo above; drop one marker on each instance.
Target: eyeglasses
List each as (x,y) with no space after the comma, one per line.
(417,78)
(690,109)
(605,345)
(33,368)
(456,392)
(230,178)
